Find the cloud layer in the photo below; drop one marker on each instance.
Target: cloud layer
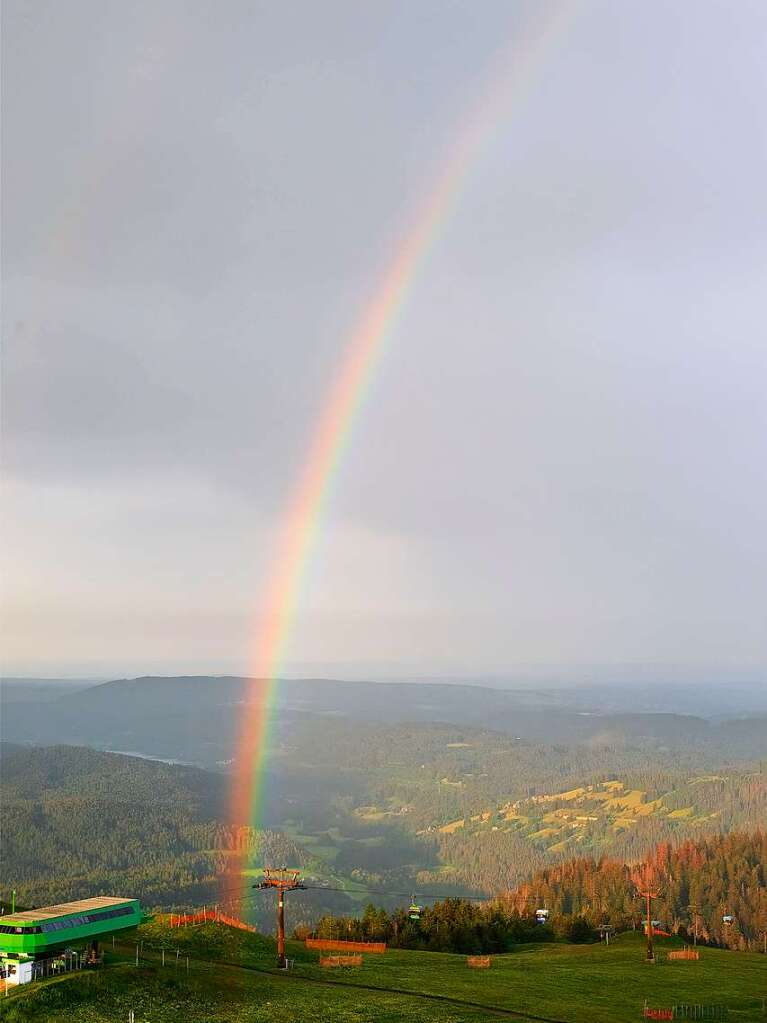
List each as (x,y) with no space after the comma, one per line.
(561,461)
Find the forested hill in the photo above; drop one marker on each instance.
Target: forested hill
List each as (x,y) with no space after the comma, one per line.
(77,822)
(441,808)
(66,771)
(700,882)
(712,890)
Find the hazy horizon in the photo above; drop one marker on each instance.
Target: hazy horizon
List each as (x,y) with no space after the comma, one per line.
(541,678)
(559,469)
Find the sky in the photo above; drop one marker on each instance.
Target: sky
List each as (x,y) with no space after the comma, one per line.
(559,470)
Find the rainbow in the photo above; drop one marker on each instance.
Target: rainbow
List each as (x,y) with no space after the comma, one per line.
(331,434)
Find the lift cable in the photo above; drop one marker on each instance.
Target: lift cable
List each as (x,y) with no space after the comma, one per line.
(423,895)
(364,890)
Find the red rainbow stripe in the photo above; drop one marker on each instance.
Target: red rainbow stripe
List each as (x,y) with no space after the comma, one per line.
(330,435)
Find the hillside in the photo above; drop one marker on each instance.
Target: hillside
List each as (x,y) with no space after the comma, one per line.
(487,810)
(232,980)
(77,822)
(70,771)
(435,808)
(699,884)
(450,787)
(595,817)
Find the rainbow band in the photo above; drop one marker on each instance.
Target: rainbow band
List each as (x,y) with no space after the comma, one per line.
(332,433)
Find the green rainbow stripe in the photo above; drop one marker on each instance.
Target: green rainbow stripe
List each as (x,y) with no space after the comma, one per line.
(331,434)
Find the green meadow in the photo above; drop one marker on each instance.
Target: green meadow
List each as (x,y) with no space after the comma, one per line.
(231,980)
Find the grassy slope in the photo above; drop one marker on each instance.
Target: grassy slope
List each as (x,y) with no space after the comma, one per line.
(226,995)
(565,982)
(583,983)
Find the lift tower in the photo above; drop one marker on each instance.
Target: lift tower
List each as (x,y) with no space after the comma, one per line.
(649,894)
(283,880)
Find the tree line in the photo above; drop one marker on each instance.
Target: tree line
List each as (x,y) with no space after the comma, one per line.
(714,888)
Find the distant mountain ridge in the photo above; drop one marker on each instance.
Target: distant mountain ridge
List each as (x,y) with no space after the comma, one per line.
(197,718)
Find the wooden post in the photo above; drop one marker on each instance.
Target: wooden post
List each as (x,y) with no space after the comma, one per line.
(281,928)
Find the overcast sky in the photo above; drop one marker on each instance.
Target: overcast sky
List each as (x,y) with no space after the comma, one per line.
(560,466)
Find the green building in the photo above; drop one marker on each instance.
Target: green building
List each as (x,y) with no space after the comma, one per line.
(32,940)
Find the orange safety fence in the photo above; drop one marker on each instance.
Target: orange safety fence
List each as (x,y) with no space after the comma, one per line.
(209,916)
(687,953)
(657,1013)
(330,945)
(330,961)
(478,962)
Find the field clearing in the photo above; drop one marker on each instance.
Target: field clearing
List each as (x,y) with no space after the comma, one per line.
(450,829)
(587,814)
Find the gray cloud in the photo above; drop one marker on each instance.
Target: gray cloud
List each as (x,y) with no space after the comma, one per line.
(561,459)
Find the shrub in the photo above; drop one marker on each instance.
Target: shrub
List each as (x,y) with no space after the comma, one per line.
(580,931)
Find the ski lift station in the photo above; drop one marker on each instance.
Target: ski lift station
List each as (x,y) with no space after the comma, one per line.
(35,941)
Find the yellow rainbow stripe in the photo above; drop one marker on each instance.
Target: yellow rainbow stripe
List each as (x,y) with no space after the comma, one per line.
(331,434)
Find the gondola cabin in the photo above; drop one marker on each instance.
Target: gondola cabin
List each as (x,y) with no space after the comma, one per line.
(33,937)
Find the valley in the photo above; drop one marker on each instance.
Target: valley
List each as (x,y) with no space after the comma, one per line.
(78,820)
